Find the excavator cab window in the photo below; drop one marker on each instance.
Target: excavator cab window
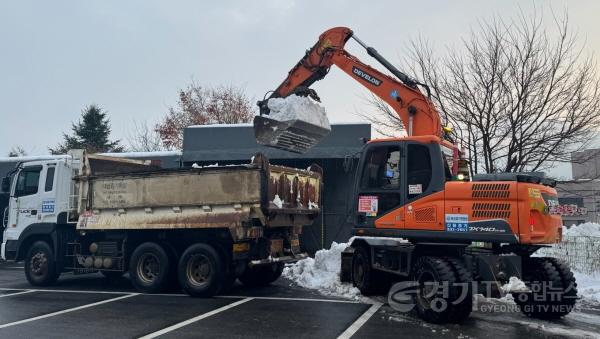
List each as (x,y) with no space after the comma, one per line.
(418,170)
(382,169)
(380,179)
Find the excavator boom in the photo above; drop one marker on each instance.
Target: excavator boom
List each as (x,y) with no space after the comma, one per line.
(402,93)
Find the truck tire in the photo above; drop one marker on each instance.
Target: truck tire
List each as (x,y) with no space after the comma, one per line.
(261,275)
(553,289)
(149,268)
(201,271)
(40,265)
(432,275)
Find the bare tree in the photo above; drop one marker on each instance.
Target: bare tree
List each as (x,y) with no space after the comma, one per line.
(144,138)
(519,96)
(384,119)
(199,105)
(17,151)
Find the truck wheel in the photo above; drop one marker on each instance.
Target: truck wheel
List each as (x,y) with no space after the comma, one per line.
(149,268)
(40,265)
(553,289)
(432,275)
(261,275)
(201,271)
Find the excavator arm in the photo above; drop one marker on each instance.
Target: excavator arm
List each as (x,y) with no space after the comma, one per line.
(403,94)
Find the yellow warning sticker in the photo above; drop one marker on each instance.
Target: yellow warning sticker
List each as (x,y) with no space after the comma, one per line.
(535,193)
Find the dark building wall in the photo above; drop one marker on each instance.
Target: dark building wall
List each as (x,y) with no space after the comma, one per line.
(233,145)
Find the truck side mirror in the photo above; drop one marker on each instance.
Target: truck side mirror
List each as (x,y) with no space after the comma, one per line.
(6,184)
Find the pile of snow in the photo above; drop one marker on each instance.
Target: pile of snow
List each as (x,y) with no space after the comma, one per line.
(514,284)
(295,107)
(588,287)
(323,273)
(585,229)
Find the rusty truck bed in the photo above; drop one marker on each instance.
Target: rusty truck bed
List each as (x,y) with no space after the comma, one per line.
(118,193)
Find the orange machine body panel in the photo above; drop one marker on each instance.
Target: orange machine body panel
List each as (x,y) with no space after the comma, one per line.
(520,209)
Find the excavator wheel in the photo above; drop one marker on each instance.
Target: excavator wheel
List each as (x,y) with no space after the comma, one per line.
(364,277)
(553,289)
(461,310)
(438,298)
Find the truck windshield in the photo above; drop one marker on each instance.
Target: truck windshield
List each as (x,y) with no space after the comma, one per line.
(28,181)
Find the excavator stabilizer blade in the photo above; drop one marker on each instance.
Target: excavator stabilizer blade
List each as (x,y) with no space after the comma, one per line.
(296,135)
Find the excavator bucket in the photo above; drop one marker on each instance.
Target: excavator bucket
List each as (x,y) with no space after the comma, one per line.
(294,135)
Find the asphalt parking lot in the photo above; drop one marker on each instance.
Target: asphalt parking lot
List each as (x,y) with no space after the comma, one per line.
(89,306)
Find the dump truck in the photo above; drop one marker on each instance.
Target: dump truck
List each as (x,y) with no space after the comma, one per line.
(201,228)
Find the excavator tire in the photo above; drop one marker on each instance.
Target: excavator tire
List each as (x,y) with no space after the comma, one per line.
(462,308)
(364,277)
(553,289)
(432,304)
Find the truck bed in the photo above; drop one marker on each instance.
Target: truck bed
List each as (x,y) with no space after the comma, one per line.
(122,194)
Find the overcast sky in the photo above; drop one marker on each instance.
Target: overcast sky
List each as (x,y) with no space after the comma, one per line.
(131,57)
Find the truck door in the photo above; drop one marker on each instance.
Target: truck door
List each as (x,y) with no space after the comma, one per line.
(24,204)
(379,186)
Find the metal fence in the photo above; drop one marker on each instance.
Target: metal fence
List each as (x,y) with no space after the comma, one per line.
(581,252)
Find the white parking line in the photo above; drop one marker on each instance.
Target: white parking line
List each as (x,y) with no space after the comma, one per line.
(16,293)
(63,291)
(294,299)
(68,310)
(194,319)
(350,331)
(185,295)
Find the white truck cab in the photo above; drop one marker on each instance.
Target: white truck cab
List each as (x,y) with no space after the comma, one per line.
(41,194)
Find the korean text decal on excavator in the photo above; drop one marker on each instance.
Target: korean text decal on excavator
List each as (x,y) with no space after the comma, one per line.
(418,188)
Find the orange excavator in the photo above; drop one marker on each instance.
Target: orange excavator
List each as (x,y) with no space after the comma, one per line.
(417,216)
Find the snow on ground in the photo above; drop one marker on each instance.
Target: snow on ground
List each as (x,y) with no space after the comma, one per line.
(514,285)
(586,229)
(588,287)
(295,107)
(323,273)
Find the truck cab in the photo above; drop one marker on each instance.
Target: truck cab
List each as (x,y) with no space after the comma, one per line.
(39,199)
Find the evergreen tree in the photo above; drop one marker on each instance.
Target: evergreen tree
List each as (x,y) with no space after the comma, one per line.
(91,133)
